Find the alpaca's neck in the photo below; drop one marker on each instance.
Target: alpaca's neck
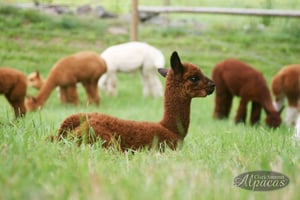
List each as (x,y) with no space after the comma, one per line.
(41,84)
(177,112)
(45,91)
(267,103)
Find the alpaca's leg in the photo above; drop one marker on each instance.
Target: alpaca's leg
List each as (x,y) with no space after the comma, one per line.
(19,108)
(112,83)
(151,83)
(279,102)
(223,102)
(291,115)
(62,91)
(102,83)
(72,95)
(146,85)
(16,99)
(241,112)
(297,127)
(92,92)
(255,112)
(292,110)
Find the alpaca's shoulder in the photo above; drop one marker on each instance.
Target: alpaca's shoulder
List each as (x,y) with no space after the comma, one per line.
(12,74)
(234,65)
(291,69)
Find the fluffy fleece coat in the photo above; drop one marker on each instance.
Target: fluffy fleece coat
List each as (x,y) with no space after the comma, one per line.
(85,67)
(13,85)
(286,84)
(184,81)
(130,57)
(236,78)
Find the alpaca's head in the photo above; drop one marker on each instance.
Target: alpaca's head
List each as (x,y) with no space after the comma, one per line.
(31,104)
(35,80)
(273,119)
(187,79)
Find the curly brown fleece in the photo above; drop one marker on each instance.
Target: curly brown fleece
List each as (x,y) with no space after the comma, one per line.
(85,67)
(236,78)
(184,81)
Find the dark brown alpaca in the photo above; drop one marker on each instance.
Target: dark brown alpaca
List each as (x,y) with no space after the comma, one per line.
(235,78)
(13,85)
(184,82)
(85,67)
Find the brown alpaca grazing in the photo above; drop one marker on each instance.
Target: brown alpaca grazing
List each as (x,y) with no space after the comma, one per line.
(85,67)
(35,80)
(184,81)
(286,84)
(13,85)
(236,78)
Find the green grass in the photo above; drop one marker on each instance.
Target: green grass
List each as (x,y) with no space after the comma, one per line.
(214,152)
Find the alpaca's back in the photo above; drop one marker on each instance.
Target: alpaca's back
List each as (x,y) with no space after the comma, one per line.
(132,55)
(239,78)
(236,78)
(82,66)
(287,82)
(10,78)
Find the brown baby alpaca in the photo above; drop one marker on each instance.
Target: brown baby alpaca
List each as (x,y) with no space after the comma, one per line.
(286,84)
(235,78)
(85,67)
(184,81)
(35,80)
(13,85)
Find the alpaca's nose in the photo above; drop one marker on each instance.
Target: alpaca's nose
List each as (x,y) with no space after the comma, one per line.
(211,87)
(211,83)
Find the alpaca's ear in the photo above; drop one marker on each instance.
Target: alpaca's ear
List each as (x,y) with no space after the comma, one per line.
(163,71)
(176,63)
(37,73)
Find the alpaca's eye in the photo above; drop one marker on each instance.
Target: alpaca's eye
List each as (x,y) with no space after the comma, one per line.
(194,79)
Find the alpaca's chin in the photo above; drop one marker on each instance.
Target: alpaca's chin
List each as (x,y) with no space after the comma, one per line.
(210,90)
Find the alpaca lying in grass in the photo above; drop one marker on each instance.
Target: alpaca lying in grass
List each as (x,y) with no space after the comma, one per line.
(286,83)
(235,78)
(35,80)
(85,67)
(13,85)
(129,57)
(183,82)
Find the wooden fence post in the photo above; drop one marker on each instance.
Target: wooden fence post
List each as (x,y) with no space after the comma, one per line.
(134,20)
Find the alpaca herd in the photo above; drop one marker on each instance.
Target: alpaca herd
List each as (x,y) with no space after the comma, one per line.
(184,81)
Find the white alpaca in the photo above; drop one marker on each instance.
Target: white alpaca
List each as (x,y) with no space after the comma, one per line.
(129,57)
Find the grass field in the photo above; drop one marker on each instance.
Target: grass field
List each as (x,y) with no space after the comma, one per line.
(214,152)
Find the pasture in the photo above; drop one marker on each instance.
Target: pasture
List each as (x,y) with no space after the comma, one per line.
(214,152)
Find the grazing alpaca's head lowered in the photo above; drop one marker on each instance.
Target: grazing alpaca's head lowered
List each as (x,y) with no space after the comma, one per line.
(184,82)
(235,78)
(85,67)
